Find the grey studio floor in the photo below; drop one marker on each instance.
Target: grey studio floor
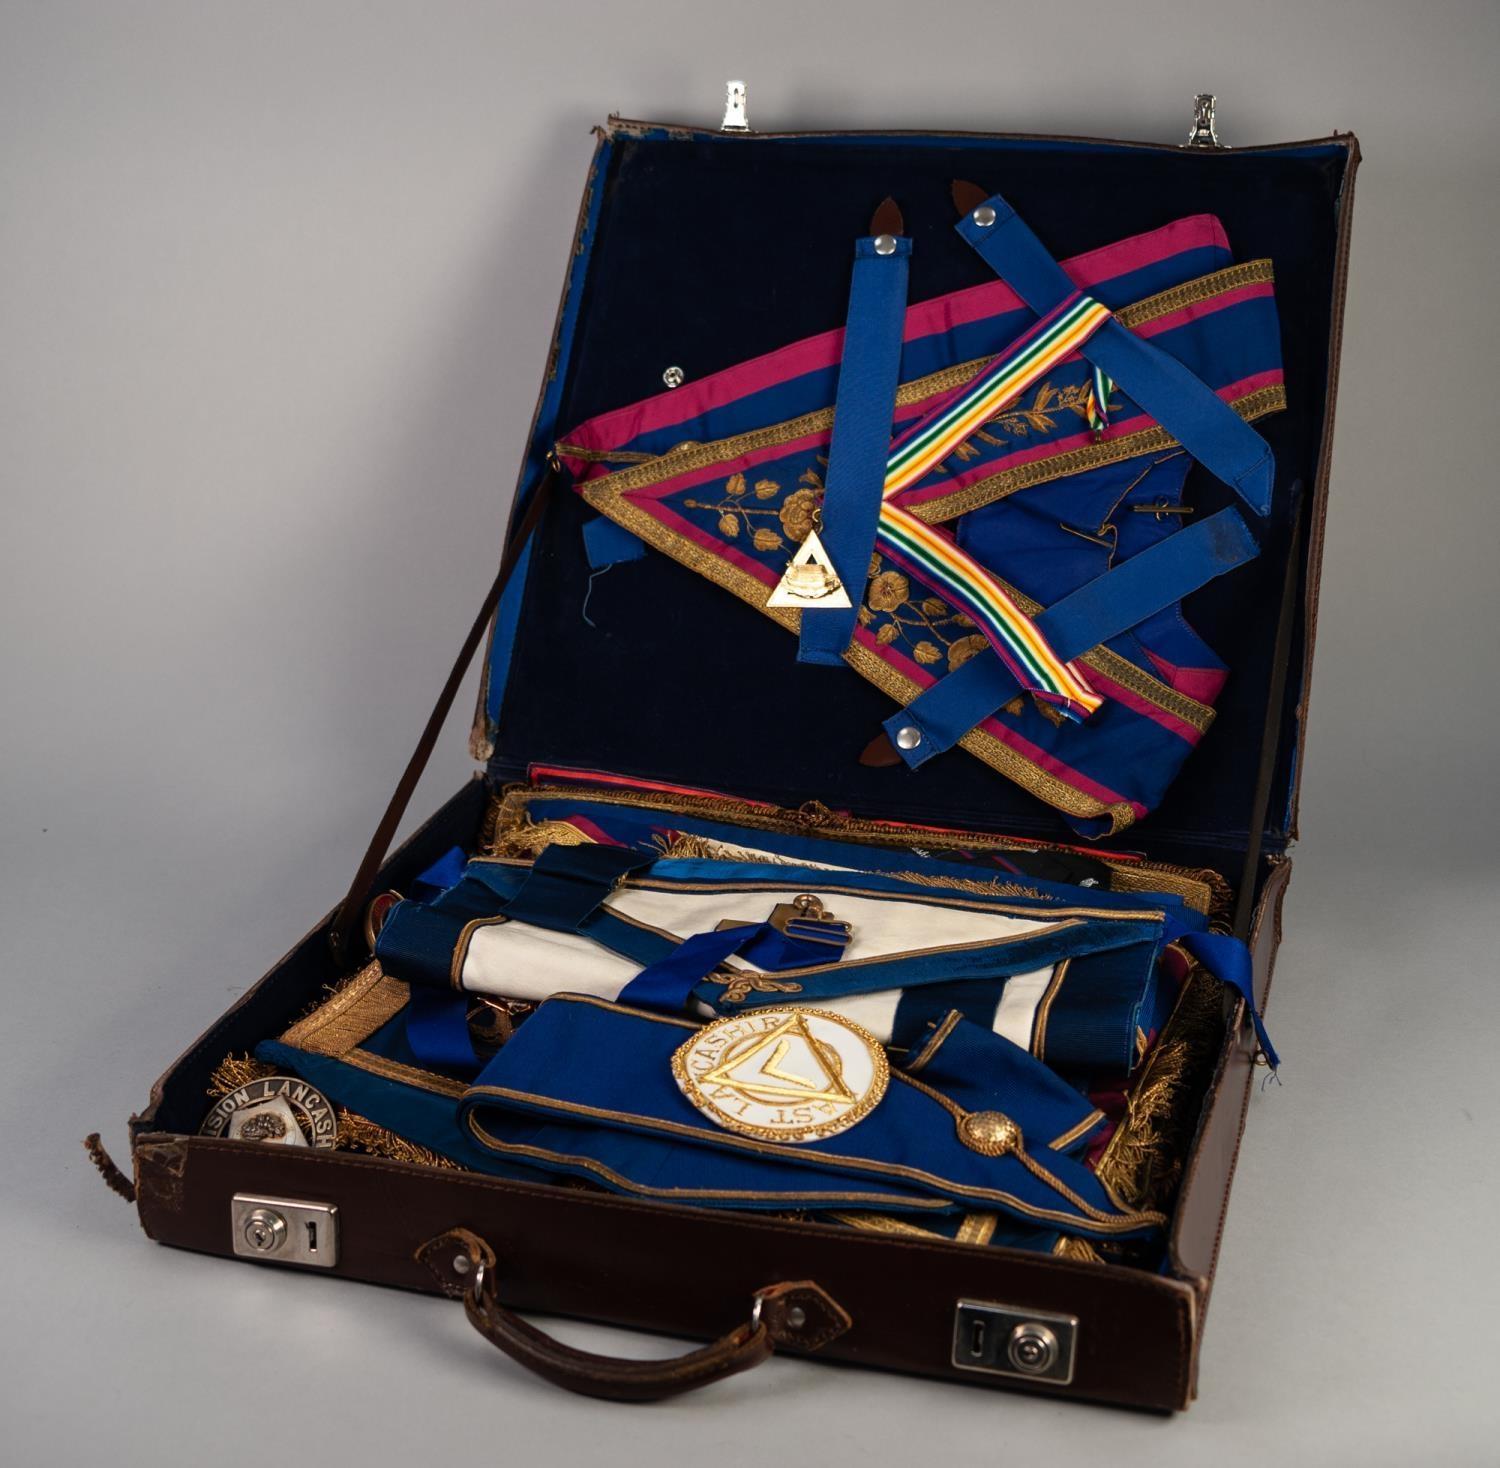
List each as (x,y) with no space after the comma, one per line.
(276,287)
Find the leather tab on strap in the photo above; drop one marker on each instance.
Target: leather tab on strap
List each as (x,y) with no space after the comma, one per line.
(967,197)
(801,1315)
(887,218)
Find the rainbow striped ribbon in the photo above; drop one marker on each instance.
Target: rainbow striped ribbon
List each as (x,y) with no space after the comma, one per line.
(1100,387)
(937,558)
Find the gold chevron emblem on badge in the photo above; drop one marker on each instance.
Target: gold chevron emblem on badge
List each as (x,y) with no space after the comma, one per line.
(818,1073)
(790,1075)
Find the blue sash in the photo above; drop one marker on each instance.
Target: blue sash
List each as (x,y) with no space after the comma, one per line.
(585,1087)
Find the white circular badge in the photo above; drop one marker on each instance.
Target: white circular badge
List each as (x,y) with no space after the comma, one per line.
(783,1075)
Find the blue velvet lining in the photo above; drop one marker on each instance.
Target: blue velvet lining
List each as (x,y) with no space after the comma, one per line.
(707,251)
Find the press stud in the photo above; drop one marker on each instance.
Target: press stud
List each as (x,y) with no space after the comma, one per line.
(674,377)
(461,1264)
(908,736)
(885,244)
(796,1317)
(984,216)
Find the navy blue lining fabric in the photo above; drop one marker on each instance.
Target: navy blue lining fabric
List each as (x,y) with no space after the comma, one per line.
(710,251)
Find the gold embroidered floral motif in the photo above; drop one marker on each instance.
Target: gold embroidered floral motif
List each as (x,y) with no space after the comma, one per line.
(799,515)
(932,631)
(737,514)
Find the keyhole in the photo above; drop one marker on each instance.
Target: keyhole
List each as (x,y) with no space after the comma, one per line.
(976,1339)
(312,1237)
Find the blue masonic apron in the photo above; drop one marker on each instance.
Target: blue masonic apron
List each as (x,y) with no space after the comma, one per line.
(1070,974)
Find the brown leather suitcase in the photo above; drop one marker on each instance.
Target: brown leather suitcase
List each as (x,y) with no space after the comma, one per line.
(900,1303)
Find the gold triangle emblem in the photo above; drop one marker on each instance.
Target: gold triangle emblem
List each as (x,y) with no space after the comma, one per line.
(810,581)
(784,1064)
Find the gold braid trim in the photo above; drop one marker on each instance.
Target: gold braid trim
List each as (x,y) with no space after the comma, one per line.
(1203,889)
(355,1133)
(353,1011)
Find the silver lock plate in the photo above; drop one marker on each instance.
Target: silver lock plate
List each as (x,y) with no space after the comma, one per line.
(284,1230)
(1025,1345)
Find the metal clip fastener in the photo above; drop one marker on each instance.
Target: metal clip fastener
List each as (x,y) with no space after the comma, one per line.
(736,118)
(1161,509)
(1204,132)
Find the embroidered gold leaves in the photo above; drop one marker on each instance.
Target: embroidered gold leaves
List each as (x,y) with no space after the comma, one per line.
(746,505)
(1037,417)
(926,627)
(739,512)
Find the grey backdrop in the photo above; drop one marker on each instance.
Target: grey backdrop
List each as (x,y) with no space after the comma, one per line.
(276,287)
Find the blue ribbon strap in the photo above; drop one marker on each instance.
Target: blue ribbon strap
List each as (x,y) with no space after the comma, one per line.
(607,544)
(1207,427)
(863,414)
(668,983)
(1148,582)
(563,890)
(1228,960)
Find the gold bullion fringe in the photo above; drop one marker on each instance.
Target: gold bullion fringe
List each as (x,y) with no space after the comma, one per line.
(1079,1250)
(531,838)
(1143,1161)
(687,846)
(355,1133)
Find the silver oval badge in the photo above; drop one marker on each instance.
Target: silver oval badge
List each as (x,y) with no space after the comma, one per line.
(281,1110)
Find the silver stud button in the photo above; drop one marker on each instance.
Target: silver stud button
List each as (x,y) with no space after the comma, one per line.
(462,1264)
(796,1317)
(674,377)
(984,216)
(908,736)
(885,244)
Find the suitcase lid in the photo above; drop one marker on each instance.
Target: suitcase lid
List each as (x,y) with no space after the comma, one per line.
(698,249)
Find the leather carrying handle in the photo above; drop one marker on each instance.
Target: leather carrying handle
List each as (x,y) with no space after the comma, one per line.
(346,920)
(796,1314)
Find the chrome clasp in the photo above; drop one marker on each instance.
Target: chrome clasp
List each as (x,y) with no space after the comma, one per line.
(1204,132)
(736,118)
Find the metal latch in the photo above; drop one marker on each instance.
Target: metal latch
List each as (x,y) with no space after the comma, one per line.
(284,1230)
(736,119)
(1204,132)
(1005,1341)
